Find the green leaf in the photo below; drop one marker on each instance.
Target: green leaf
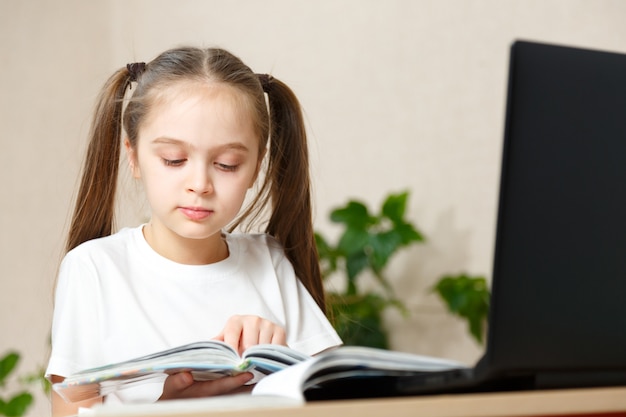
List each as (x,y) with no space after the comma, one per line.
(394,207)
(320,242)
(355,263)
(354,215)
(382,246)
(467,297)
(327,255)
(7,364)
(353,241)
(17,405)
(408,233)
(38,377)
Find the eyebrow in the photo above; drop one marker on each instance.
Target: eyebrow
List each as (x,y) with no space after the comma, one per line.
(227,146)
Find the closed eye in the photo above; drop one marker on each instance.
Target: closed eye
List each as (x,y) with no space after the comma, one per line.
(226,167)
(173,162)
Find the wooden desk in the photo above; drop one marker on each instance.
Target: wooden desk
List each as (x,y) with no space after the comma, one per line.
(605,402)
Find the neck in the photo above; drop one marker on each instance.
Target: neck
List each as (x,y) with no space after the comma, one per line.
(186,251)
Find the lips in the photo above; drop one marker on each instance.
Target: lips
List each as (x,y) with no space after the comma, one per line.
(195,213)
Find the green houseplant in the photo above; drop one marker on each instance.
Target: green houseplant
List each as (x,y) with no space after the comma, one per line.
(17,404)
(367,243)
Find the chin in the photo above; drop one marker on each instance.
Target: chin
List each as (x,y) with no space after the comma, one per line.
(204,234)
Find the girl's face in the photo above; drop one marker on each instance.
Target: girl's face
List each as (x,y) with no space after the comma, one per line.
(197,155)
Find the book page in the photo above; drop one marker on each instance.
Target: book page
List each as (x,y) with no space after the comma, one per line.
(348,362)
(286,383)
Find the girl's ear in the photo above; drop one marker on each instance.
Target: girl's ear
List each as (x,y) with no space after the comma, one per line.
(258,168)
(131,157)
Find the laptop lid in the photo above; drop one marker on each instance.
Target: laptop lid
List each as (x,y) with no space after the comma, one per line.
(558,305)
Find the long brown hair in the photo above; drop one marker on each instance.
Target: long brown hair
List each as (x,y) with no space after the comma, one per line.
(285,185)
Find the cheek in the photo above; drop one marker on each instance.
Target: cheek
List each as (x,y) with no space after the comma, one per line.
(235,192)
(232,188)
(155,182)
(156,190)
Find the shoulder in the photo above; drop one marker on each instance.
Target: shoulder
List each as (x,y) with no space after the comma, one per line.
(116,243)
(100,255)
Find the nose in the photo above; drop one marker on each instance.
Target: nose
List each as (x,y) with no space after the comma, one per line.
(199,180)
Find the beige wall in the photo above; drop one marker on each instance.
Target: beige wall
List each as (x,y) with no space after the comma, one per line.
(398,95)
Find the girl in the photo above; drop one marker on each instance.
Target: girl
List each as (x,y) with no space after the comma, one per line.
(196,130)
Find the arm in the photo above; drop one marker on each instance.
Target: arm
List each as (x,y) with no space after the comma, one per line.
(62,408)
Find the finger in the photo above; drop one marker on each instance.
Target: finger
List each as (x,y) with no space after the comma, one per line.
(232,332)
(279,336)
(251,331)
(225,385)
(266,331)
(244,389)
(236,383)
(175,384)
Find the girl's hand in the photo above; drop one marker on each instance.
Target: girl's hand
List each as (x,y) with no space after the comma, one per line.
(182,385)
(241,332)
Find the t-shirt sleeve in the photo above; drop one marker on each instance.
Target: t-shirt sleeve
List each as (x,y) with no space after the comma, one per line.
(307,327)
(76,340)
(318,334)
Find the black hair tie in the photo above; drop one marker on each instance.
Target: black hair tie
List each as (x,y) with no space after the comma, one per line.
(135,70)
(266,82)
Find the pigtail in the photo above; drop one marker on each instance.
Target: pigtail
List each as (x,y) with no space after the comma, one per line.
(95,202)
(288,171)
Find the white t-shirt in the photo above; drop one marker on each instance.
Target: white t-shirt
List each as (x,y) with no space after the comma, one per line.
(117,299)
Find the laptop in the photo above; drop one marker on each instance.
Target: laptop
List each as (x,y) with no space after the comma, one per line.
(558,301)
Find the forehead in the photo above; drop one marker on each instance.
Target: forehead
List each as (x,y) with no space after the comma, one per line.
(189,109)
(224,99)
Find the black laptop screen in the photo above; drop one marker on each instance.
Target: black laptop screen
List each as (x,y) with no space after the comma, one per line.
(559,278)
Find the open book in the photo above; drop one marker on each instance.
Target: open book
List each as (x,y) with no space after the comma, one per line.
(205,360)
(345,372)
(350,372)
